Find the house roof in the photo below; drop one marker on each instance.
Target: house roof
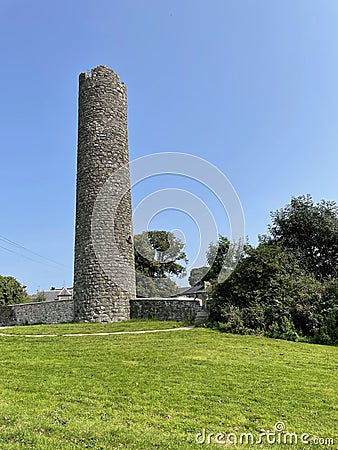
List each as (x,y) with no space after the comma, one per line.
(53,294)
(197,289)
(65,293)
(182,289)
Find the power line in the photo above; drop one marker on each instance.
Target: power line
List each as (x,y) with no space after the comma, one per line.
(16,244)
(24,256)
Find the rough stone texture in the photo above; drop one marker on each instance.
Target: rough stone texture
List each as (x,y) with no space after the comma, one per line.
(102,287)
(60,311)
(7,316)
(57,311)
(164,308)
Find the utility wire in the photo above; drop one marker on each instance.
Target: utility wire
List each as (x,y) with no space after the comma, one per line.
(15,244)
(24,256)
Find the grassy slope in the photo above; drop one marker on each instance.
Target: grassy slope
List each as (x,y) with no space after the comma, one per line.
(66,328)
(156,391)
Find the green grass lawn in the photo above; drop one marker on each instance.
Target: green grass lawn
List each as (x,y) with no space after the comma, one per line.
(79,328)
(156,391)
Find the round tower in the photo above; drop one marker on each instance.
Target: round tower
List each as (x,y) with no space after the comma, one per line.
(102,153)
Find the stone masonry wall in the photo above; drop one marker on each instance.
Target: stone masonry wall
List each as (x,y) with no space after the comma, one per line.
(164,308)
(57,311)
(103,286)
(60,311)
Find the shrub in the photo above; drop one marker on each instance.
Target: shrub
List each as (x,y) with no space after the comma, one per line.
(284,329)
(11,291)
(328,332)
(231,320)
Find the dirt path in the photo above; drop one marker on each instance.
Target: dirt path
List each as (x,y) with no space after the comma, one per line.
(97,334)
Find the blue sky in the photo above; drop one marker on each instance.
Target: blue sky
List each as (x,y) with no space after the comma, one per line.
(250,86)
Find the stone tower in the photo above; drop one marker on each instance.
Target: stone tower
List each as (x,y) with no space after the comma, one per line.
(104,279)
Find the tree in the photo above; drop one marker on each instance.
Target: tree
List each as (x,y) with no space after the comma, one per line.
(216,257)
(40,296)
(155,287)
(11,291)
(222,257)
(258,276)
(197,275)
(270,291)
(310,231)
(157,254)
(157,257)
(288,285)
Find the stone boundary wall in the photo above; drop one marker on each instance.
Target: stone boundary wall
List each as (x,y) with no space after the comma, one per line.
(164,308)
(60,311)
(56,311)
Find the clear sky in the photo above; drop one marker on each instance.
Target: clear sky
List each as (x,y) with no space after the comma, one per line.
(249,85)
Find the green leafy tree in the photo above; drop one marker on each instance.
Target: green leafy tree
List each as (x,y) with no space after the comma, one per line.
(272,292)
(158,256)
(287,286)
(257,276)
(216,257)
(155,287)
(11,291)
(310,231)
(40,296)
(197,275)
(222,256)
(158,253)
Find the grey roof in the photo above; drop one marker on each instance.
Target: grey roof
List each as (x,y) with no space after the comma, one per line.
(182,289)
(197,289)
(53,294)
(65,293)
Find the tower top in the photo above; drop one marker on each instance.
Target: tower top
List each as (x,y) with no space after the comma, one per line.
(100,71)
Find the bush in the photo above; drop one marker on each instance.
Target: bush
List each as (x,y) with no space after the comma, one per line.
(286,287)
(231,320)
(328,332)
(11,291)
(254,318)
(284,329)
